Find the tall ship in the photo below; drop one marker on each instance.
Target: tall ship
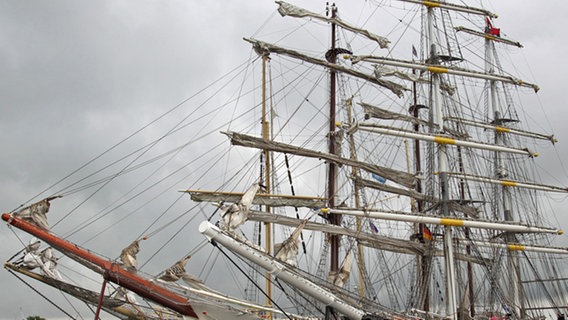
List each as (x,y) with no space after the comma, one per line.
(379,169)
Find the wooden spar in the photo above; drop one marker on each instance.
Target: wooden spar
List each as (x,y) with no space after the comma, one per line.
(112,272)
(272,200)
(109,307)
(267,185)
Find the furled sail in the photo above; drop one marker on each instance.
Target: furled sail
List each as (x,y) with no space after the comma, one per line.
(454,205)
(380,113)
(400,177)
(439,69)
(382,71)
(340,277)
(366,238)
(236,214)
(287,9)
(36,213)
(264,199)
(128,256)
(287,251)
(177,272)
(263,47)
(45,260)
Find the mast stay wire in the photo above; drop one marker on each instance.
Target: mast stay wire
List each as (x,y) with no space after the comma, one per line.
(127,138)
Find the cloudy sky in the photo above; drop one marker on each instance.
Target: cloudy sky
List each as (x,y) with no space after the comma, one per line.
(76,76)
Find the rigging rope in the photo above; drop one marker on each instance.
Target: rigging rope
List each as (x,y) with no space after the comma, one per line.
(41,294)
(544,288)
(250,279)
(301,294)
(127,138)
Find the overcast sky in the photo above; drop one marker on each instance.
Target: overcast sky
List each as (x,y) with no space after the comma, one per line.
(76,75)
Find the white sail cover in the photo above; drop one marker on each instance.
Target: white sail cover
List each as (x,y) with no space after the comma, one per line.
(36,214)
(382,71)
(287,251)
(287,9)
(380,113)
(339,278)
(49,267)
(237,213)
(43,259)
(177,272)
(128,256)
(130,298)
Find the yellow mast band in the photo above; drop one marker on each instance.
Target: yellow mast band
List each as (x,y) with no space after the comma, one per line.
(560,232)
(516,247)
(451,222)
(506,183)
(431,4)
(438,69)
(325,210)
(442,140)
(502,129)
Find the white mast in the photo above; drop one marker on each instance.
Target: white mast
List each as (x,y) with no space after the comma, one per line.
(501,173)
(280,271)
(445,221)
(438,121)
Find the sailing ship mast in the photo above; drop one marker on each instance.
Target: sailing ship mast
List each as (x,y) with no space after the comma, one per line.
(434,203)
(501,173)
(267,177)
(436,117)
(334,219)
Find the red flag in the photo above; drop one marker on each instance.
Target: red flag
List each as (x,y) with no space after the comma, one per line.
(491,30)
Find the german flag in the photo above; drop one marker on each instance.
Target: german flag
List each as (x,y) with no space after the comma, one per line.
(426,233)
